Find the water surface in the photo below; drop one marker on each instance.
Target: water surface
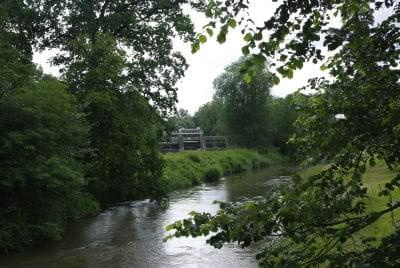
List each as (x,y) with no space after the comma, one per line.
(130,234)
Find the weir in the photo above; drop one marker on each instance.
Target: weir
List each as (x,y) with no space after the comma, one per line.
(192,139)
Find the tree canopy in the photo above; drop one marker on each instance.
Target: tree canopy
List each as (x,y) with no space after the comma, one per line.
(245,113)
(15,45)
(143,30)
(42,143)
(209,117)
(94,131)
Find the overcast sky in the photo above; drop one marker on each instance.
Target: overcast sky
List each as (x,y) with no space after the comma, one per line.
(196,88)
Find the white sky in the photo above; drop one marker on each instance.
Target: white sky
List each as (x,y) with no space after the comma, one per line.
(196,88)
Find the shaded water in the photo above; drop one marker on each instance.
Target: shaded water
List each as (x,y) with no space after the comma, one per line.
(130,235)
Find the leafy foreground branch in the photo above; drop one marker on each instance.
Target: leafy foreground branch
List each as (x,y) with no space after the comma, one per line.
(303,223)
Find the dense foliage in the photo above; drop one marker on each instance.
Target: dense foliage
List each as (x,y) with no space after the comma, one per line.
(96,129)
(124,161)
(179,119)
(122,123)
(42,142)
(209,117)
(191,168)
(16,51)
(246,112)
(350,121)
(143,30)
(282,113)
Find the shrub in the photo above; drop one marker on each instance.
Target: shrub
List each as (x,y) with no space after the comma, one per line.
(43,137)
(212,174)
(194,157)
(185,169)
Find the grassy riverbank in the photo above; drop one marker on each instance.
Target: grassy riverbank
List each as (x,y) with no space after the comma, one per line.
(374,179)
(189,168)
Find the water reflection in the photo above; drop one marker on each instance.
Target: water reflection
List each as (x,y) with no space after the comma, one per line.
(130,235)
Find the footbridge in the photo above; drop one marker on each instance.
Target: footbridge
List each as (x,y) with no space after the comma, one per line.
(192,139)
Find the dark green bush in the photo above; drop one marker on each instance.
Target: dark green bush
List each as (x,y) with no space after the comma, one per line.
(212,174)
(194,157)
(42,139)
(184,169)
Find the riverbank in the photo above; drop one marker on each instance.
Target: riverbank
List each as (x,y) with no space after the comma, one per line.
(129,235)
(374,180)
(181,170)
(190,168)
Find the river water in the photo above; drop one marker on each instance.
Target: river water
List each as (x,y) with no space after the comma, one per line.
(130,234)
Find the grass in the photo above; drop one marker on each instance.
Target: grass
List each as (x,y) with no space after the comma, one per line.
(212,174)
(374,180)
(190,168)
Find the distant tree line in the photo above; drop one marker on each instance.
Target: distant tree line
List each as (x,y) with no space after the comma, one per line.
(245,112)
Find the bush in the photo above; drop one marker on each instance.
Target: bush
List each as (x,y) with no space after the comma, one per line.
(126,163)
(185,169)
(42,139)
(194,157)
(212,174)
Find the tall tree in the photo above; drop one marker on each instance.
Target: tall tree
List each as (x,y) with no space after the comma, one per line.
(142,29)
(122,123)
(117,56)
(180,119)
(282,114)
(245,105)
(209,118)
(118,61)
(16,66)
(42,141)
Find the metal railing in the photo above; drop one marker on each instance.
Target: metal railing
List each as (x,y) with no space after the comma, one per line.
(193,139)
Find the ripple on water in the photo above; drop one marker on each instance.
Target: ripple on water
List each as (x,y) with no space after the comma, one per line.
(130,235)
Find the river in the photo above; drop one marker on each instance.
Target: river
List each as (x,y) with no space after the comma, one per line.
(130,234)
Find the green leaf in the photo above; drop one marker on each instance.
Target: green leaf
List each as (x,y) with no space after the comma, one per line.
(259,59)
(202,38)
(169,227)
(221,38)
(248,37)
(275,79)
(258,36)
(193,213)
(283,57)
(245,50)
(251,206)
(195,47)
(166,238)
(299,64)
(281,70)
(247,78)
(210,32)
(232,23)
